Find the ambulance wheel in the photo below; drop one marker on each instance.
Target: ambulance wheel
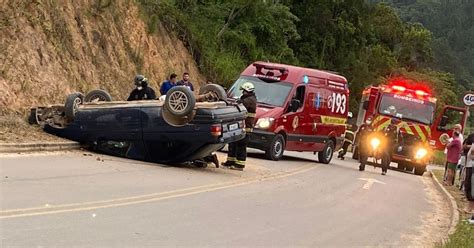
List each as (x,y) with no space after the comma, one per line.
(275,151)
(325,155)
(419,170)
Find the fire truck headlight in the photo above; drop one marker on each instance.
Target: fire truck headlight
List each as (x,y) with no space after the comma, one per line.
(421,153)
(375,143)
(264,123)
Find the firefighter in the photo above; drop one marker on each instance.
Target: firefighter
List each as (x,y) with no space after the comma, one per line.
(392,133)
(348,140)
(361,140)
(142,91)
(238,150)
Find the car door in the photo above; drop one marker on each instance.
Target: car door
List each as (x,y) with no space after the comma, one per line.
(297,120)
(442,128)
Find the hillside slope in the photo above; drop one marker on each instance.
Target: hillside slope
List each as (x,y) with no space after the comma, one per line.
(51,48)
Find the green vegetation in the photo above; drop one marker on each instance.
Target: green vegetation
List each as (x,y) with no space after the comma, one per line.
(366,42)
(464,234)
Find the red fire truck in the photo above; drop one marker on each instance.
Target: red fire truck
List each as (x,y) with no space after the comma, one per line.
(299,109)
(413,108)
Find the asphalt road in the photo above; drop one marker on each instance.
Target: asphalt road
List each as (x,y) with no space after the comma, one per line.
(89,200)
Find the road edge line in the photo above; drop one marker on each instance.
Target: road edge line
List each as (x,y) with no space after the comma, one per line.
(454,206)
(6,148)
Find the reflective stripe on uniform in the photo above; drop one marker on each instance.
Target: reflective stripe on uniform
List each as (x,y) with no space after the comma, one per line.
(248,129)
(240,162)
(231,159)
(252,115)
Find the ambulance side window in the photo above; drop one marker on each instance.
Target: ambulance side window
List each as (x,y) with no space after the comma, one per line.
(297,101)
(453,117)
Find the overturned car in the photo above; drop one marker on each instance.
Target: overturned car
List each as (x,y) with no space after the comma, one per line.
(180,128)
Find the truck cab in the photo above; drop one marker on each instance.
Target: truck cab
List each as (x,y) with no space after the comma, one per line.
(413,108)
(298,109)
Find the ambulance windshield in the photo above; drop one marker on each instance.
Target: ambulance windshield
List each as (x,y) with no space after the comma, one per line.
(407,108)
(273,94)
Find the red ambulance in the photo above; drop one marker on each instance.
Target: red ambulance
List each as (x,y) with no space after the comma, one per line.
(299,109)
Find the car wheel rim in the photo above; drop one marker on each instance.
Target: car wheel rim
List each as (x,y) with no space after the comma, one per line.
(98,98)
(77,102)
(329,153)
(178,101)
(278,147)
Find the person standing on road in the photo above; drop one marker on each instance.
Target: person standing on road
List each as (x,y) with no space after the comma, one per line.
(237,154)
(168,84)
(392,134)
(362,143)
(186,82)
(142,91)
(348,140)
(454,152)
(468,185)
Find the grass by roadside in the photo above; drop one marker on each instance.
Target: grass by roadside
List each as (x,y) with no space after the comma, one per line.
(14,128)
(464,234)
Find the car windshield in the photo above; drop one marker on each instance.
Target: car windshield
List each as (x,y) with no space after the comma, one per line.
(274,93)
(407,108)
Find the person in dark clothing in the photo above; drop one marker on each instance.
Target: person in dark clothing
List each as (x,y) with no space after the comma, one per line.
(142,91)
(392,134)
(186,82)
(168,84)
(362,143)
(348,140)
(237,154)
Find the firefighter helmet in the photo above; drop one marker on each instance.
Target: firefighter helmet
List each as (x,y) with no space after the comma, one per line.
(247,86)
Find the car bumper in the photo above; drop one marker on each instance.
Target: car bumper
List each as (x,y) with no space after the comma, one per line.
(260,139)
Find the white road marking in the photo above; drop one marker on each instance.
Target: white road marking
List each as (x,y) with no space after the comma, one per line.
(370,182)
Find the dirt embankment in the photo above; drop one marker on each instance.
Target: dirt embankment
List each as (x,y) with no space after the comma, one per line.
(51,48)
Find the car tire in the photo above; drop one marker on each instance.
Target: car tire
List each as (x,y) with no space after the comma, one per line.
(408,167)
(221,94)
(180,101)
(98,96)
(72,104)
(401,166)
(326,154)
(276,149)
(420,170)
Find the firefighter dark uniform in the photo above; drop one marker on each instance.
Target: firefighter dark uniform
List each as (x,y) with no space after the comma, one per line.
(348,140)
(391,133)
(142,91)
(237,154)
(362,143)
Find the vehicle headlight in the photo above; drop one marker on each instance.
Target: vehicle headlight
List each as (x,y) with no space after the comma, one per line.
(264,123)
(421,153)
(375,143)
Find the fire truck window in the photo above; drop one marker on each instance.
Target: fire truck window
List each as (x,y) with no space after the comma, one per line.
(454,117)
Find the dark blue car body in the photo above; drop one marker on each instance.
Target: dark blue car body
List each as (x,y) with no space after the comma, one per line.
(137,130)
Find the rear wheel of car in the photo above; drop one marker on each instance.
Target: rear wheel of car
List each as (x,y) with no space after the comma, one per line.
(220,92)
(98,96)
(326,154)
(277,146)
(180,101)
(72,105)
(419,170)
